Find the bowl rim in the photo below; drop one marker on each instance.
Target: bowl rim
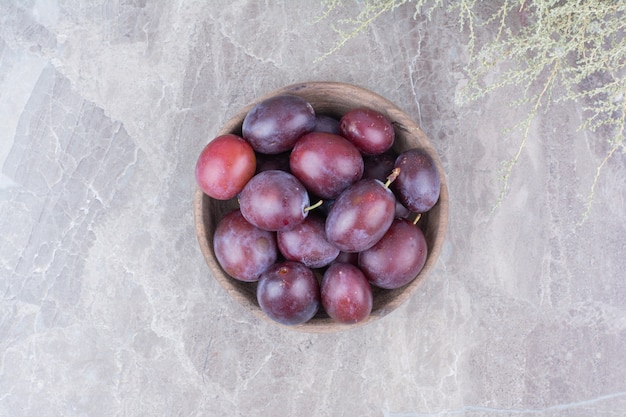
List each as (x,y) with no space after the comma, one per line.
(400,120)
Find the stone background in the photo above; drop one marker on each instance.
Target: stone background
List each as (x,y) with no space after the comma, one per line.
(107,307)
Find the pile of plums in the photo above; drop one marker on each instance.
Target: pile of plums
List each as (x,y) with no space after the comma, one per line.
(327,209)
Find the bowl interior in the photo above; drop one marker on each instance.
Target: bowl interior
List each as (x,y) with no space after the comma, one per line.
(333,99)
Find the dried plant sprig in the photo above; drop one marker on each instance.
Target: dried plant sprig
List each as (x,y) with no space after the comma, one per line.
(561,47)
(557,51)
(373,10)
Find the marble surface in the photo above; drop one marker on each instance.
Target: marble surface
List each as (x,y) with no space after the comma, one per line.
(107,307)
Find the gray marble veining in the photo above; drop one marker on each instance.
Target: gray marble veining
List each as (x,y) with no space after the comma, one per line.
(108,309)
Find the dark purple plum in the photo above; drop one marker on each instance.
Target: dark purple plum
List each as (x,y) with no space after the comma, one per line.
(274,200)
(397,258)
(418,185)
(307,244)
(360,216)
(325,163)
(369,130)
(243,250)
(288,292)
(346,294)
(328,124)
(224,166)
(275,124)
(379,166)
(401,211)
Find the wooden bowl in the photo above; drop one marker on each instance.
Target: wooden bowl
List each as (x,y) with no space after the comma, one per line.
(333,99)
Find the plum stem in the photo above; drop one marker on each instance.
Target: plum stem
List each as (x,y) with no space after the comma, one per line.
(314,206)
(392,177)
(417,218)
